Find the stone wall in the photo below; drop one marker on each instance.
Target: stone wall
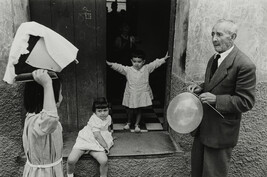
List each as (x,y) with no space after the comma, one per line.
(250,155)
(12,14)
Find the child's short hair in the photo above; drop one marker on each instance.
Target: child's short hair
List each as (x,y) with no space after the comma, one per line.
(100,103)
(138,54)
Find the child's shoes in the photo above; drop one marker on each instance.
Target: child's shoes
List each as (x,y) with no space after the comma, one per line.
(137,129)
(70,175)
(127,126)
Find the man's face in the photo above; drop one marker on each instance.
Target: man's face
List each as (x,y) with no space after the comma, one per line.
(221,39)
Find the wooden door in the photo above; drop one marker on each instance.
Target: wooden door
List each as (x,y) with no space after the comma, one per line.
(83,23)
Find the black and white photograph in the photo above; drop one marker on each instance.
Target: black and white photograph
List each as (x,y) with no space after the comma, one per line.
(133,88)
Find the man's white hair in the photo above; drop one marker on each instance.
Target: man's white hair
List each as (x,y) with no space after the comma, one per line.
(232,27)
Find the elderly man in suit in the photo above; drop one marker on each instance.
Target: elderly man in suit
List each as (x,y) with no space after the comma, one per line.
(229,87)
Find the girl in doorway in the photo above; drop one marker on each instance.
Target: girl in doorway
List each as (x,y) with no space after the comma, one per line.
(138,93)
(42,134)
(95,138)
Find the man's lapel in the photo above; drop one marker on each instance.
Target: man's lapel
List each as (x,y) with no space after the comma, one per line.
(221,72)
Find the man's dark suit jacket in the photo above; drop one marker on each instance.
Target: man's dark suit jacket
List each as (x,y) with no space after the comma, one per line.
(234,86)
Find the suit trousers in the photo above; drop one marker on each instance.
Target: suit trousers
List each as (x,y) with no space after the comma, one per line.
(209,162)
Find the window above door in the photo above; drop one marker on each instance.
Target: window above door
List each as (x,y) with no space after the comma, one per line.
(121,5)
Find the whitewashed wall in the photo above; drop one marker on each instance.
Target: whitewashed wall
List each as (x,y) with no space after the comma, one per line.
(251,17)
(12,14)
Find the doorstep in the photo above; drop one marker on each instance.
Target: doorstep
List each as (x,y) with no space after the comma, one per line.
(132,144)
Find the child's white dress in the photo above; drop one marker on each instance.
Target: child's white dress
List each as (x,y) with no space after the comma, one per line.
(43,145)
(137,92)
(86,139)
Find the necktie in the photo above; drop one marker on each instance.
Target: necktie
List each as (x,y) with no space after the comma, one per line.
(214,65)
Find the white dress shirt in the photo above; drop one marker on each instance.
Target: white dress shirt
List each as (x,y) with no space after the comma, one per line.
(224,55)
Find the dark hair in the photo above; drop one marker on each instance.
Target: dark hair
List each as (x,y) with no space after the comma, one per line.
(100,103)
(34,95)
(22,67)
(138,54)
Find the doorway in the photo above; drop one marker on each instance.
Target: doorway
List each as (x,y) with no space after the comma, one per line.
(84,24)
(148,22)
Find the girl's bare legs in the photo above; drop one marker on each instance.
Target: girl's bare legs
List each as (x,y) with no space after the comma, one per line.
(102,159)
(73,159)
(129,115)
(138,119)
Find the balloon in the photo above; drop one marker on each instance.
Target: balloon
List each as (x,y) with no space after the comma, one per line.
(184,113)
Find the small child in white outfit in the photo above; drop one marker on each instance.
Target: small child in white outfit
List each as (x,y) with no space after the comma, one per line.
(95,138)
(138,93)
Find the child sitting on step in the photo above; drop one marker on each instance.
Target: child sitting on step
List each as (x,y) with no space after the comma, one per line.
(95,138)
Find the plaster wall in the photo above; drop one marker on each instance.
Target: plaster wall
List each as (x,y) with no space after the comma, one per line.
(249,157)
(12,14)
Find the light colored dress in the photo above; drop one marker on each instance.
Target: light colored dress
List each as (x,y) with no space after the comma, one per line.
(137,92)
(43,144)
(86,140)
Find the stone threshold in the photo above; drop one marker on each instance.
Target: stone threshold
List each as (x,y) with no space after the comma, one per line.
(127,144)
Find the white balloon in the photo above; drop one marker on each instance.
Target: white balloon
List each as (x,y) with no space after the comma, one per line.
(184,113)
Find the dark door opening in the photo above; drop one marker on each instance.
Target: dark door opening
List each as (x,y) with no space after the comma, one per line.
(148,22)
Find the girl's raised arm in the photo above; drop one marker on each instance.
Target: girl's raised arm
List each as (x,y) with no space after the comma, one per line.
(157,63)
(48,118)
(41,77)
(118,67)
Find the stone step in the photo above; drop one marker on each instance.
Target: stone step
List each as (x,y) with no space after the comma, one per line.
(134,154)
